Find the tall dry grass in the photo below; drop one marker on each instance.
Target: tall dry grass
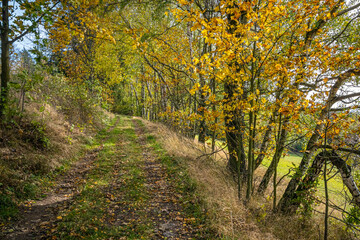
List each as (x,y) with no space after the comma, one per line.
(229,216)
(36,143)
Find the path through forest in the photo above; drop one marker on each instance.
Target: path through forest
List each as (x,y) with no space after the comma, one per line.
(124,187)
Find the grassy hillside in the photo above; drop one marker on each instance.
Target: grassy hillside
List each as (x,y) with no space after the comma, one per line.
(37,145)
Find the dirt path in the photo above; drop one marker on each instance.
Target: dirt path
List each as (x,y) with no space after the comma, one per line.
(39,216)
(164,207)
(118,190)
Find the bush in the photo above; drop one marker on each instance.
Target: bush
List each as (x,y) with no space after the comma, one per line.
(8,208)
(123,108)
(36,135)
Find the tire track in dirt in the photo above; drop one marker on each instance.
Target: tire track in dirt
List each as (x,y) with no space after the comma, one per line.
(164,207)
(39,217)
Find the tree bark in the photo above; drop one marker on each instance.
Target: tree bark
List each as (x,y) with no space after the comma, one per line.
(307,183)
(266,139)
(285,201)
(234,135)
(5,58)
(276,158)
(234,121)
(313,173)
(310,148)
(264,144)
(201,109)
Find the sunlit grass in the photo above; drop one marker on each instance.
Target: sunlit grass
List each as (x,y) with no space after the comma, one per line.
(291,161)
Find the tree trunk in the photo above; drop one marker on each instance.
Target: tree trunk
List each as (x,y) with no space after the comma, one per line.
(276,158)
(313,173)
(201,110)
(307,183)
(251,147)
(5,59)
(234,121)
(213,140)
(234,135)
(285,201)
(266,139)
(264,144)
(348,180)
(310,148)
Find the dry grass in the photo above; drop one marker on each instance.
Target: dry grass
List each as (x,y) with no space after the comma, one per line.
(34,145)
(24,155)
(65,138)
(229,217)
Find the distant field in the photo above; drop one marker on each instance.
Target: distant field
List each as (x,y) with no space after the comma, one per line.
(335,184)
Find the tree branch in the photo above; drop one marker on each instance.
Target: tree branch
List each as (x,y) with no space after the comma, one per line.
(343,109)
(29,29)
(340,98)
(348,9)
(355,151)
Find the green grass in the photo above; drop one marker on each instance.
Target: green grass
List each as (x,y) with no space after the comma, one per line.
(8,207)
(335,185)
(290,162)
(90,216)
(185,186)
(285,164)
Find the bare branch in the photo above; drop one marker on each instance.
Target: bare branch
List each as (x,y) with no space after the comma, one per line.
(348,9)
(341,98)
(355,151)
(344,109)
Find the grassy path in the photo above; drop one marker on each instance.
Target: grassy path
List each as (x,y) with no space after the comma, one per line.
(163,207)
(125,187)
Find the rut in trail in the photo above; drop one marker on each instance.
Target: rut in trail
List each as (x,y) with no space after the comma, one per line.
(164,207)
(38,217)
